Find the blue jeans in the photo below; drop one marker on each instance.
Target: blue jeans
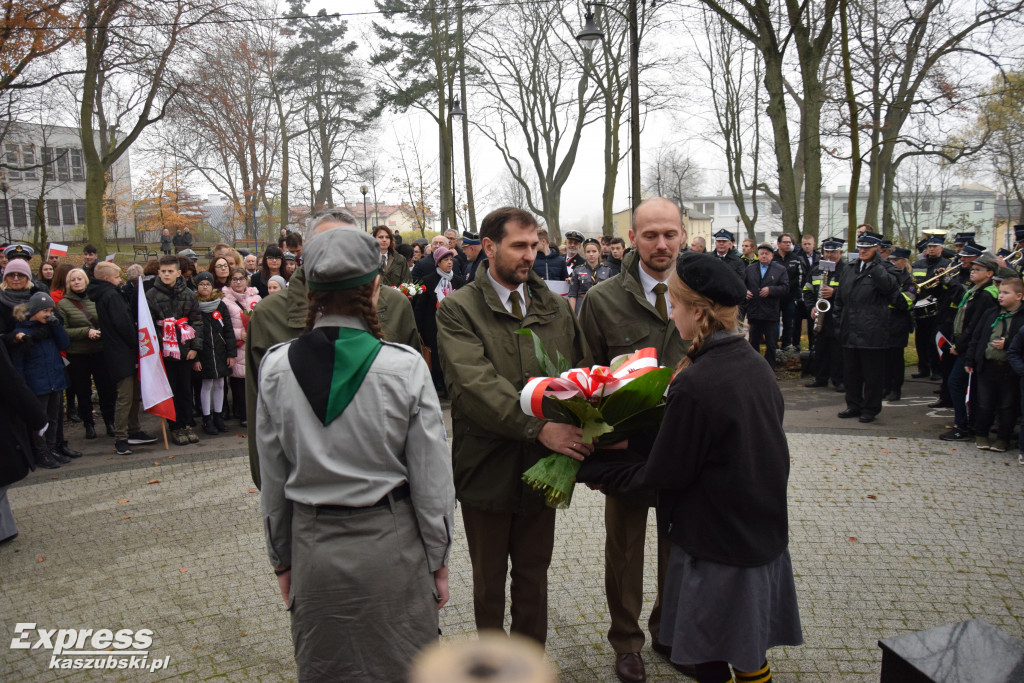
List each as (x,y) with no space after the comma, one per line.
(958,379)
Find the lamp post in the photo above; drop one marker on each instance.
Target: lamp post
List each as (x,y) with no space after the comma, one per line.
(588,38)
(364,189)
(4,187)
(455,111)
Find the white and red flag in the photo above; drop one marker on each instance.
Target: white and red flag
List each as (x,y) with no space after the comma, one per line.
(57,249)
(157,397)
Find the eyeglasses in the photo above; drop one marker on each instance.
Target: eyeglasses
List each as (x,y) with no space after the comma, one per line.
(239,279)
(221,265)
(17,275)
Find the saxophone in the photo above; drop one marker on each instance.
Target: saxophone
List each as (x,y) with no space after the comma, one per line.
(823,305)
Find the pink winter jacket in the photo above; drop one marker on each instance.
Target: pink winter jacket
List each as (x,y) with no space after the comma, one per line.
(235,303)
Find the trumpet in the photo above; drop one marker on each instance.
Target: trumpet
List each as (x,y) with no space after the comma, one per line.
(938,277)
(823,305)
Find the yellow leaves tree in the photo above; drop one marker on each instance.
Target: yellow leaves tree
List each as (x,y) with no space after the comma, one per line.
(31,29)
(162,201)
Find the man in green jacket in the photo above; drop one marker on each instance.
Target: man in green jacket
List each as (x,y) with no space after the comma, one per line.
(485,366)
(619,316)
(281,318)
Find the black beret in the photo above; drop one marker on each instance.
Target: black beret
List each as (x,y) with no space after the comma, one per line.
(710,277)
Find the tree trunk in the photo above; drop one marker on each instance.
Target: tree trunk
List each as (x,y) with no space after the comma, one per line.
(788,195)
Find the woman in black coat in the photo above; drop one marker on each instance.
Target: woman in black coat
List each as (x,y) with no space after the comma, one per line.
(720,464)
(439,284)
(20,415)
(273,264)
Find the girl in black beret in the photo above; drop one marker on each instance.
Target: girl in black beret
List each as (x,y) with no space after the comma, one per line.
(720,464)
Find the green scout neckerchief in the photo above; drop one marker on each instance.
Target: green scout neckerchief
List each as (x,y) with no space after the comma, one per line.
(348,352)
(354,353)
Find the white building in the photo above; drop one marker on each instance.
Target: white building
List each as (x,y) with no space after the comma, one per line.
(46,162)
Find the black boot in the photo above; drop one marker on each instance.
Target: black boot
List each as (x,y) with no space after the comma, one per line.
(59,458)
(66,451)
(90,431)
(208,426)
(218,423)
(47,460)
(110,427)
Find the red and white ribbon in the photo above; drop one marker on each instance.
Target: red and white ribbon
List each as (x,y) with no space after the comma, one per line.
(593,382)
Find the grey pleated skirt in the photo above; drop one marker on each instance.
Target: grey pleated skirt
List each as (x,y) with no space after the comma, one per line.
(362,598)
(720,613)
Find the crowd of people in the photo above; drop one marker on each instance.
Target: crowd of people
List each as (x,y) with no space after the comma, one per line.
(335,353)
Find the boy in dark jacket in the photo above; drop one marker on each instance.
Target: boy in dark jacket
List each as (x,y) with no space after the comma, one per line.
(996,386)
(179,325)
(767,283)
(40,337)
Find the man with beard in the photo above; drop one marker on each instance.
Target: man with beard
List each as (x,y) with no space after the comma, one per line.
(486,364)
(629,312)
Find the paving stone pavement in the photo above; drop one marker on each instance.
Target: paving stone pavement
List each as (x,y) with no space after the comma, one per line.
(888,535)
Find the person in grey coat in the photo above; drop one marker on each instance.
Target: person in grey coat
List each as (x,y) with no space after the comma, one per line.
(357,496)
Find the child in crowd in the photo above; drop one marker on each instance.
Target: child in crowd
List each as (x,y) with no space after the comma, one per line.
(39,338)
(276,283)
(217,355)
(179,325)
(240,299)
(995,389)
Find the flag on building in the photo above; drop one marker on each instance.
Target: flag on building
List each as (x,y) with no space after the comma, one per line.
(57,249)
(157,397)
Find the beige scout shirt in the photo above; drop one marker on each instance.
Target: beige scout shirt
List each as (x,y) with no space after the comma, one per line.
(391,433)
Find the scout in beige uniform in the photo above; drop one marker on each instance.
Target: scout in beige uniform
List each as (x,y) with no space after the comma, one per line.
(357,495)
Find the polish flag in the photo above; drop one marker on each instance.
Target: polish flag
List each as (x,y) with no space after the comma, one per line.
(110,257)
(941,342)
(157,397)
(57,249)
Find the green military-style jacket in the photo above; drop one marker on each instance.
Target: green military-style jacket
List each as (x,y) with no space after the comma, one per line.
(282,317)
(485,366)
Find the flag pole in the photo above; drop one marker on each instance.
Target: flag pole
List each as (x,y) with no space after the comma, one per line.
(163,428)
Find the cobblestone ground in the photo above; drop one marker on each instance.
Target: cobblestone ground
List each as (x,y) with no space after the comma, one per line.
(888,535)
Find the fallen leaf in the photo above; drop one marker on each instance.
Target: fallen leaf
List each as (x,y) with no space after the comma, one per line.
(156,463)
(170,457)
(40,559)
(834,468)
(887,451)
(244,634)
(126,517)
(240,436)
(53,477)
(253,491)
(123,500)
(853,539)
(153,481)
(893,437)
(872,496)
(183,570)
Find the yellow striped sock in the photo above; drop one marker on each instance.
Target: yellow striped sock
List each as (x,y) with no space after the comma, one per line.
(762,675)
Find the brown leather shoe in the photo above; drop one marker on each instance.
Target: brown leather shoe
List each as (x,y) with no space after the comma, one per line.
(629,667)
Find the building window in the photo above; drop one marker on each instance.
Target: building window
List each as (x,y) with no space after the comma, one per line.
(945,205)
(61,162)
(80,208)
(28,158)
(728,209)
(52,212)
(13,163)
(907,206)
(67,211)
(846,207)
(48,154)
(19,214)
(978,206)
(776,209)
(77,165)
(926,206)
(5,215)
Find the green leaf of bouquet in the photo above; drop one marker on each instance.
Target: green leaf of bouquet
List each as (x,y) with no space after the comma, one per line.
(594,429)
(644,422)
(556,411)
(563,363)
(641,394)
(584,410)
(545,364)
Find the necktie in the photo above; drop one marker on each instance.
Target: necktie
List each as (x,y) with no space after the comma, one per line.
(383,262)
(659,300)
(517,307)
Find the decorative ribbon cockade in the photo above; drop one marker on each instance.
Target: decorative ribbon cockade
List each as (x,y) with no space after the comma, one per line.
(609,403)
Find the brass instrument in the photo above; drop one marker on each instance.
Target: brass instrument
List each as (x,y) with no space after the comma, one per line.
(823,305)
(938,277)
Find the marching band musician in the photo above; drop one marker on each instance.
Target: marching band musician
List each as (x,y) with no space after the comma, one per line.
(928,363)
(822,284)
(901,321)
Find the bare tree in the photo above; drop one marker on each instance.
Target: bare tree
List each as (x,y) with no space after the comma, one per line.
(538,102)
(417,184)
(672,174)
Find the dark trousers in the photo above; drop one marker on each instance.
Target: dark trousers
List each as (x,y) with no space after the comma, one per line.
(997,390)
(958,381)
(179,376)
(828,358)
(895,369)
(768,331)
(864,375)
(625,524)
(48,442)
(790,323)
(495,538)
(803,314)
(946,363)
(84,369)
(237,385)
(927,353)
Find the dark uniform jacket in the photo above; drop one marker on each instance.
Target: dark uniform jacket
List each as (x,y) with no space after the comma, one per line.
(863,305)
(901,306)
(485,367)
(282,318)
(812,291)
(776,279)
(732,260)
(467,267)
(609,268)
(176,302)
(924,269)
(795,270)
(118,327)
(618,319)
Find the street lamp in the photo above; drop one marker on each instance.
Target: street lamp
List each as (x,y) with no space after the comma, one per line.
(589,37)
(4,187)
(455,111)
(364,189)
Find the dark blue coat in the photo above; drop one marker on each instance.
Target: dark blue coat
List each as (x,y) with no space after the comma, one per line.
(776,279)
(551,266)
(39,360)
